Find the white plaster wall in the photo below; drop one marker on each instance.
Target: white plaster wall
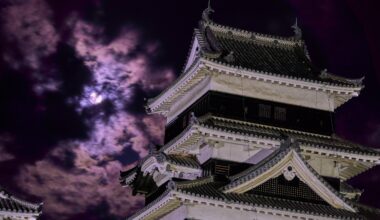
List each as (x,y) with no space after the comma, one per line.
(255,89)
(324,167)
(179,213)
(260,155)
(201,212)
(272,92)
(209,212)
(205,153)
(234,152)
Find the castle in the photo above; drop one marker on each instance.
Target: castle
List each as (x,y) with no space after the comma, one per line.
(250,135)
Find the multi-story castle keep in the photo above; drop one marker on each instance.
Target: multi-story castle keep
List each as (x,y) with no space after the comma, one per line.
(250,135)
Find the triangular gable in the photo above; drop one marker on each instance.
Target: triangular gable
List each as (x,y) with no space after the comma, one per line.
(287,161)
(280,187)
(193,52)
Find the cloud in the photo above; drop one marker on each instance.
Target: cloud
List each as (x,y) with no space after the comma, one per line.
(373,135)
(109,137)
(103,83)
(28,26)
(155,126)
(118,67)
(84,94)
(86,185)
(4,154)
(30,38)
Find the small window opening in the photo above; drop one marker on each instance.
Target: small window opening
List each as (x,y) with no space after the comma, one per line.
(280,113)
(264,111)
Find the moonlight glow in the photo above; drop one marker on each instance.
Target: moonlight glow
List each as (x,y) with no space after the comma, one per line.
(95,98)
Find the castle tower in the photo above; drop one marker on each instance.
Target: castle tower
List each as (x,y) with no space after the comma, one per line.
(250,135)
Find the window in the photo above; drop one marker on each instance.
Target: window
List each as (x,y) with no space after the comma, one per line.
(264,111)
(280,113)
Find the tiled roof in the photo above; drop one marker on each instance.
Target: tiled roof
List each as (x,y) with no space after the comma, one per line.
(127,177)
(10,203)
(266,57)
(273,159)
(150,205)
(261,167)
(209,188)
(369,212)
(181,160)
(347,188)
(263,53)
(277,133)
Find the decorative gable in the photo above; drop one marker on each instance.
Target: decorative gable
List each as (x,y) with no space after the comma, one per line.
(193,53)
(294,189)
(288,163)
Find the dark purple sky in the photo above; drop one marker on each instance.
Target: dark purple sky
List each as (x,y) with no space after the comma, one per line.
(74,74)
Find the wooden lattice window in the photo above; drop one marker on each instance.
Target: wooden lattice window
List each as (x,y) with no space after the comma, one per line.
(280,113)
(264,111)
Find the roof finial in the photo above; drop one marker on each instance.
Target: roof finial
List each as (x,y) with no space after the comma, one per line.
(297,30)
(206,13)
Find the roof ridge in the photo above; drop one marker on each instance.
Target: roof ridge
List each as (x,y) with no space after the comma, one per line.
(268,126)
(242,32)
(255,40)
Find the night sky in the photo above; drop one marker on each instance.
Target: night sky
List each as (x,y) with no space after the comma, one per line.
(74,75)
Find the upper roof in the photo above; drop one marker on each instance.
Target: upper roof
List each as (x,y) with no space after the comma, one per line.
(279,60)
(9,203)
(274,55)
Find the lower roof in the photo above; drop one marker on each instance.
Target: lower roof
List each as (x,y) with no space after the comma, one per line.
(210,188)
(310,139)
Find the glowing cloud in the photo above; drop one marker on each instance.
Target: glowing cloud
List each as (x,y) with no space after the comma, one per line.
(69,185)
